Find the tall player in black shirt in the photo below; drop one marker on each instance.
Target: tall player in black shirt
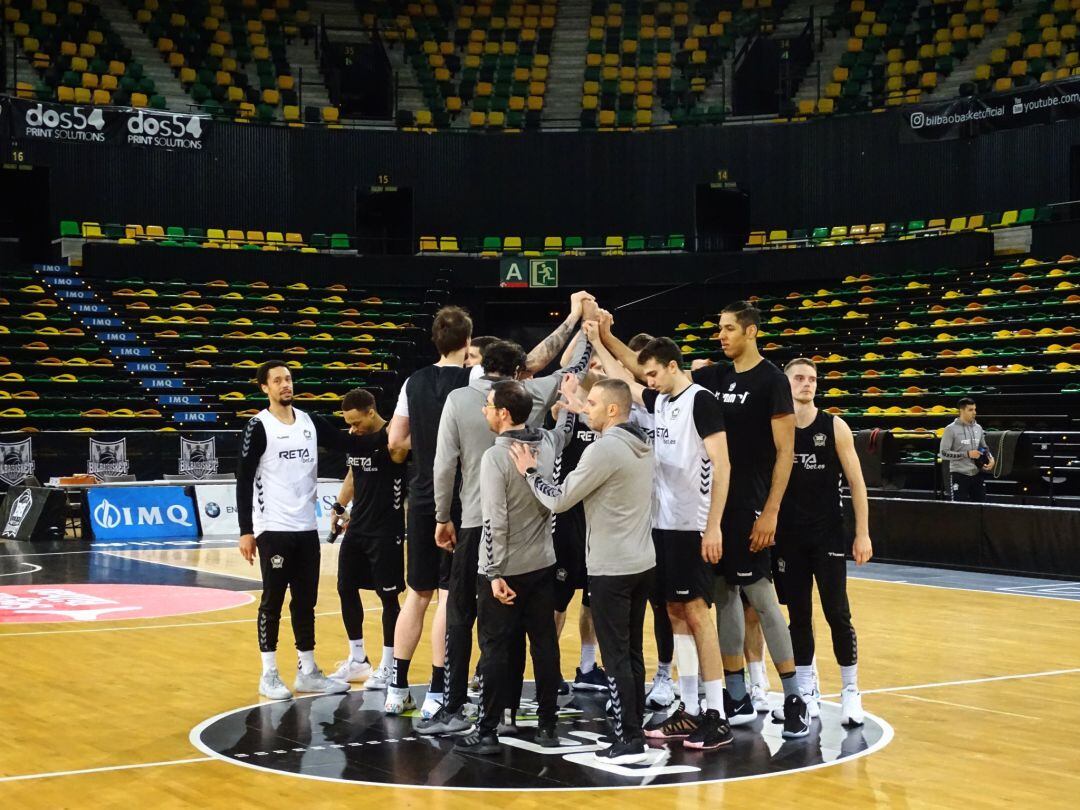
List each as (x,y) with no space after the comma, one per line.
(756,398)
(810,541)
(372,554)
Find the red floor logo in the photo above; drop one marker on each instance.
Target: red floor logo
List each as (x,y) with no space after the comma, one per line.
(97,603)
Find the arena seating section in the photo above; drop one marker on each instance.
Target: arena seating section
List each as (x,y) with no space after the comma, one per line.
(210,336)
(1044,49)
(77,55)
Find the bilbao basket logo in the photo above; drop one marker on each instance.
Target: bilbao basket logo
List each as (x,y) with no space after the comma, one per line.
(93,602)
(65,123)
(108,458)
(16,461)
(19,510)
(198,458)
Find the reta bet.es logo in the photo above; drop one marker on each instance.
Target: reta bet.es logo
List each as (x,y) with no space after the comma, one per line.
(67,124)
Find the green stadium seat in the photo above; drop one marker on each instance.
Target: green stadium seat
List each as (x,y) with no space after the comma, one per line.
(69,229)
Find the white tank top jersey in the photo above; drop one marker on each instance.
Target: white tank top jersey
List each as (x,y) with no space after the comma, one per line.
(683,486)
(287,476)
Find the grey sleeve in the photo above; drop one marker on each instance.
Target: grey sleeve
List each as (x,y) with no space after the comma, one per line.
(447,452)
(948,442)
(579,360)
(591,472)
(545,390)
(493,540)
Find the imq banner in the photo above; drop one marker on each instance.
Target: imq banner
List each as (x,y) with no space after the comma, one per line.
(975,115)
(114,126)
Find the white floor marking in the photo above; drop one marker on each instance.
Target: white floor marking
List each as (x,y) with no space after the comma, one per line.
(940,684)
(125,555)
(50,774)
(33,570)
(998,591)
(963,706)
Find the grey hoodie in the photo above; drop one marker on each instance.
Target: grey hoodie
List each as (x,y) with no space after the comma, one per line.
(957,439)
(516,538)
(464,434)
(615,480)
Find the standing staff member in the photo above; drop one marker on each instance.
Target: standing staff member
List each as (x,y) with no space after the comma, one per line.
(963,445)
(276,483)
(614,481)
(810,538)
(516,570)
(372,552)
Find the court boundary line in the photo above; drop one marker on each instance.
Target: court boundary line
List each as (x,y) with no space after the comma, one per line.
(104,769)
(887,734)
(967,706)
(967,682)
(958,588)
(120,554)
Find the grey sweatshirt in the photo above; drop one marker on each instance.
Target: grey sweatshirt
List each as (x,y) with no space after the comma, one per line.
(957,439)
(615,480)
(464,435)
(516,537)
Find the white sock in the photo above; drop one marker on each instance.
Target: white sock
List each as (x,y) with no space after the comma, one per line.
(757,674)
(356,649)
(269,661)
(849,676)
(664,669)
(387,658)
(686,659)
(588,657)
(307,661)
(804,677)
(714,695)
(436,696)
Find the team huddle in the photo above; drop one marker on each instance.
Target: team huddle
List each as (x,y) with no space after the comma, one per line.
(621,475)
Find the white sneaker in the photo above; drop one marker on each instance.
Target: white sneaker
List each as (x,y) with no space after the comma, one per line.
(315,681)
(379,678)
(813,703)
(759,698)
(350,670)
(432,703)
(661,693)
(851,711)
(398,700)
(271,686)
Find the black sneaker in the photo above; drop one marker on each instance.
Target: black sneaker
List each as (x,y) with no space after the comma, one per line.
(796,718)
(547,737)
(675,726)
(712,732)
(478,743)
(739,712)
(444,721)
(595,680)
(564,688)
(628,752)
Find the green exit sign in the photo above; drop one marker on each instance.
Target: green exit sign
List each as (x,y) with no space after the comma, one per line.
(544,273)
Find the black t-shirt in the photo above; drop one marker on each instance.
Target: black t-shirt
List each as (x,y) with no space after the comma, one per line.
(708,415)
(378,488)
(750,400)
(426,392)
(812,504)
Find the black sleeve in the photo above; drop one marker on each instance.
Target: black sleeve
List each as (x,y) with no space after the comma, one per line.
(648,399)
(708,414)
(782,403)
(708,377)
(252,447)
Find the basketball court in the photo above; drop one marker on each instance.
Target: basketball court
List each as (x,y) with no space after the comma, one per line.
(132,671)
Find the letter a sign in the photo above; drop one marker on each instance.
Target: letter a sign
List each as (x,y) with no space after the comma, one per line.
(513,273)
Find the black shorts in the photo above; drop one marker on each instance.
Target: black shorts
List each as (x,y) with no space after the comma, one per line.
(739,565)
(682,574)
(372,562)
(570,575)
(428,565)
(827,539)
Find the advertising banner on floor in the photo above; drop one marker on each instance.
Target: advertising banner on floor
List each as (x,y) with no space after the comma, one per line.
(217,508)
(975,115)
(114,126)
(140,513)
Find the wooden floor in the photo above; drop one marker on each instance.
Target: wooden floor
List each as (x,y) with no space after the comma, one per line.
(981,688)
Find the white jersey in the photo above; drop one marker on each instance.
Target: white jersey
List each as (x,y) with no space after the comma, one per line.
(683,487)
(287,476)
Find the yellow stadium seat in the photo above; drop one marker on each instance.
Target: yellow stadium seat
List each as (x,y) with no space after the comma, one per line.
(330,115)
(428,244)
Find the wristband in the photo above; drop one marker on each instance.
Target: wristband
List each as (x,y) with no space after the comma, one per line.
(338,508)
(530,471)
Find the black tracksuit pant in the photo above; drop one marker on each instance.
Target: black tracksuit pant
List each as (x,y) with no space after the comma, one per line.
(461,615)
(499,628)
(618,612)
(288,561)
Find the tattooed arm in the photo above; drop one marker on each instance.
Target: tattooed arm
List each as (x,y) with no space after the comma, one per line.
(548,349)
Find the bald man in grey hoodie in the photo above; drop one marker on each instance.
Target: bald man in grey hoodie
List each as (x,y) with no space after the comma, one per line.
(614,479)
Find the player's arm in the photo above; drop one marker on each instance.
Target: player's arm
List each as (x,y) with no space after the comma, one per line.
(493,545)
(763,534)
(548,349)
(862,550)
(949,448)
(344,497)
(620,351)
(447,453)
(399,437)
(589,474)
(712,547)
(252,447)
(612,367)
